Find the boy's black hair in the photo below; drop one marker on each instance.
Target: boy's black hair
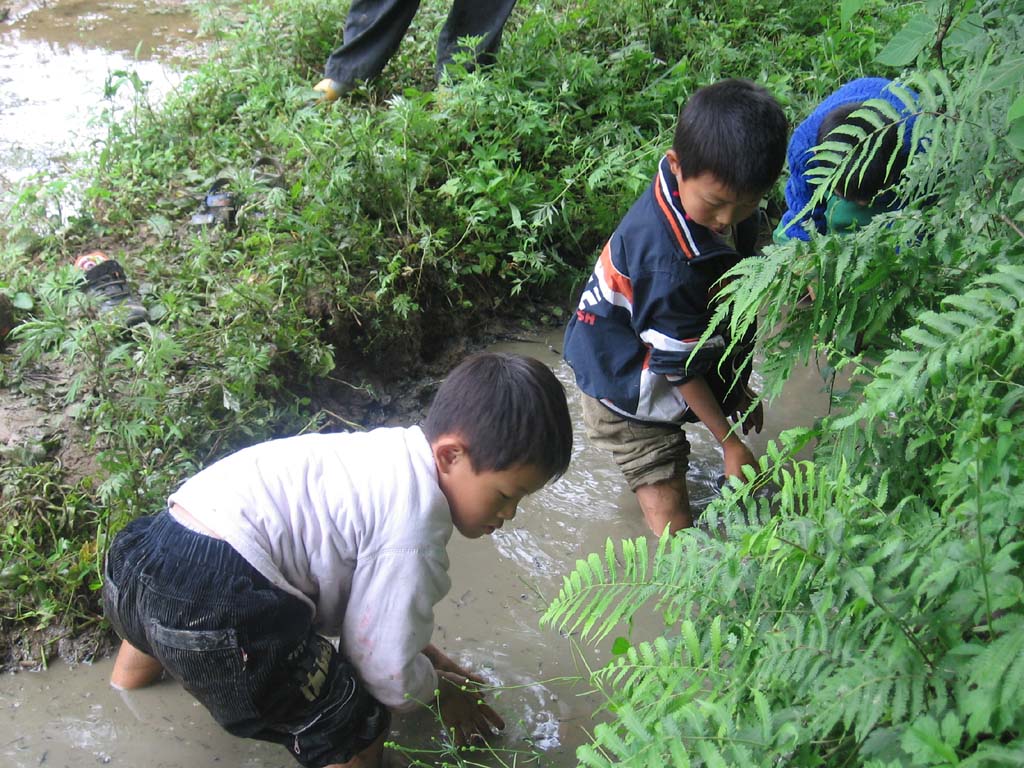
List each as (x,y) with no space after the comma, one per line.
(863,182)
(735,130)
(509,409)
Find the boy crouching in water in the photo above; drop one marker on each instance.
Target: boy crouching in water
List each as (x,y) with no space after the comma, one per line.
(258,557)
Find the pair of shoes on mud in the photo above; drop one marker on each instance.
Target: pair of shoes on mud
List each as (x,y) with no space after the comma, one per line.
(105,281)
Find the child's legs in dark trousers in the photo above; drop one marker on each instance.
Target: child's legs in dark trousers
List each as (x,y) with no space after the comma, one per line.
(653,459)
(374,29)
(245,649)
(373,32)
(473,18)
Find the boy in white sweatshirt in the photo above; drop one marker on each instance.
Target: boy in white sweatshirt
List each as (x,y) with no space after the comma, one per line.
(261,556)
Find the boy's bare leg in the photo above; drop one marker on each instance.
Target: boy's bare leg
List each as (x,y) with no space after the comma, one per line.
(133,668)
(368,758)
(665,503)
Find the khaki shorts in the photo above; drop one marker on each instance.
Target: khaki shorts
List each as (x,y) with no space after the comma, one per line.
(646,453)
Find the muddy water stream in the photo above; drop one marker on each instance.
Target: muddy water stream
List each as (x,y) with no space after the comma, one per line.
(55,60)
(55,57)
(489,621)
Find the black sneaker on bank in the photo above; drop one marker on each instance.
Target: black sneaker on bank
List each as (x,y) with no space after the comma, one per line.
(106,282)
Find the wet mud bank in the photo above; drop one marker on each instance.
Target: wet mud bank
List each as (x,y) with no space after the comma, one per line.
(62,62)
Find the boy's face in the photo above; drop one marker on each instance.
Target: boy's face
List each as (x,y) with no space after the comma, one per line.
(709,202)
(481,502)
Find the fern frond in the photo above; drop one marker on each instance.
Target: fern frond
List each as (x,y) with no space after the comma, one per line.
(601,593)
(994,680)
(947,342)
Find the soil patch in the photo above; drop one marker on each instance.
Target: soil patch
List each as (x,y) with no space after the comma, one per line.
(36,426)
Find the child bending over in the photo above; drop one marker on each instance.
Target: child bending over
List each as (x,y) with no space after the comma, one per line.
(633,342)
(235,587)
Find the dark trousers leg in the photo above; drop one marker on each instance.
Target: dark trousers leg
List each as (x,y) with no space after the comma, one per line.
(473,18)
(373,31)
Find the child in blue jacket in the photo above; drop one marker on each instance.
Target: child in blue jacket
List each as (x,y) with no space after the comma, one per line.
(858,198)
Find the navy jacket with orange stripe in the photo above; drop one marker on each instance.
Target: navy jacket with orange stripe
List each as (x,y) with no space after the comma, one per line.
(633,338)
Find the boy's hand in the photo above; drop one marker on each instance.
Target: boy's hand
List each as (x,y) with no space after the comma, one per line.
(444,663)
(703,403)
(465,716)
(737,455)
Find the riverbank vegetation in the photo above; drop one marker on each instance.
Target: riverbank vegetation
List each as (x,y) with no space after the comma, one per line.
(872,614)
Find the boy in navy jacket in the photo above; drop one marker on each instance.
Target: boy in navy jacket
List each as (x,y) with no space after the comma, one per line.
(633,341)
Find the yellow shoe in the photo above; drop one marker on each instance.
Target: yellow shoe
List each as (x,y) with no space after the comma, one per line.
(329,90)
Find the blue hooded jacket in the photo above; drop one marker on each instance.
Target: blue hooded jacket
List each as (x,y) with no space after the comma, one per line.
(805,137)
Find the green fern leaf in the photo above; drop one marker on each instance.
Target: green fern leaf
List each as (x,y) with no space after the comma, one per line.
(689,635)
(610,558)
(590,757)
(601,606)
(923,739)
(633,724)
(716,642)
(918,335)
(943,324)
(764,714)
(899,699)
(873,706)
(711,755)
(906,97)
(1012,692)
(610,740)
(583,576)
(677,750)
(613,616)
(995,755)
(642,559)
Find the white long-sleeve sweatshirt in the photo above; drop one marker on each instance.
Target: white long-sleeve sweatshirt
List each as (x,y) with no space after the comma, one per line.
(355,525)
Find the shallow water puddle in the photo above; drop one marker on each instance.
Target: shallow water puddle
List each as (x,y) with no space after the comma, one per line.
(489,622)
(55,60)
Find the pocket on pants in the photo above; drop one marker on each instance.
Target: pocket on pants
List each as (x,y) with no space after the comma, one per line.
(209,664)
(111,603)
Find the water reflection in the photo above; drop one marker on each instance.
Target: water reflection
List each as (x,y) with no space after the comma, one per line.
(55,60)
